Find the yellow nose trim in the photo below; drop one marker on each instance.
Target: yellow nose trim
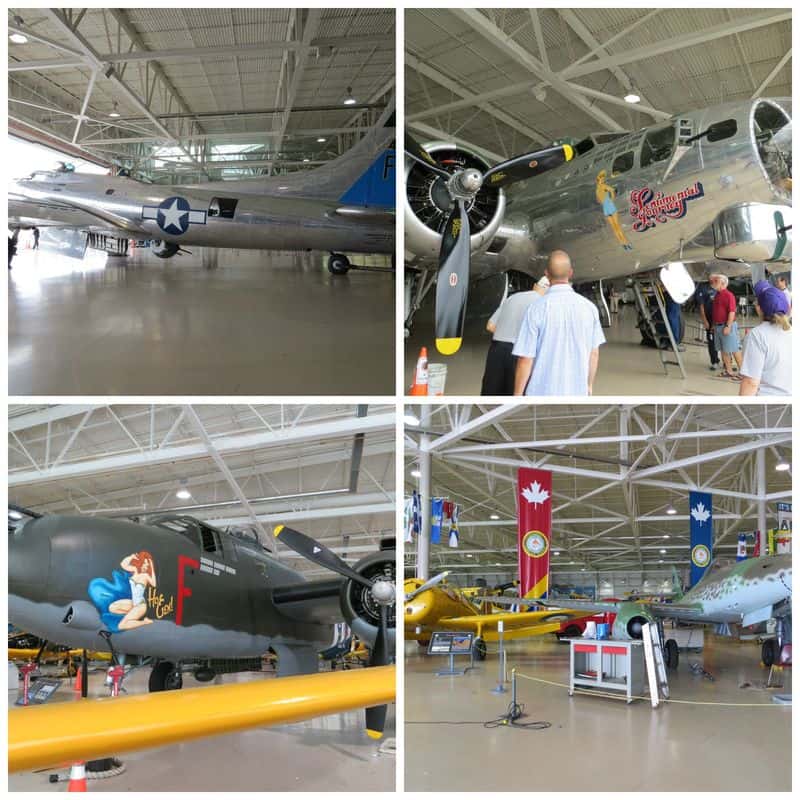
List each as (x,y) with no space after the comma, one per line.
(448,346)
(276,531)
(374,734)
(569,153)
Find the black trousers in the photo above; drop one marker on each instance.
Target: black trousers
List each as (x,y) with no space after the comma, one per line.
(712,348)
(498,374)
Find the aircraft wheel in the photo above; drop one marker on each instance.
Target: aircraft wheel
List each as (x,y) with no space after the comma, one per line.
(479,649)
(204,675)
(671,654)
(164,677)
(572,630)
(770,652)
(338,264)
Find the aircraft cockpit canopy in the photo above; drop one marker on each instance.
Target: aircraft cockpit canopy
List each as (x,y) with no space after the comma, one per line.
(595,140)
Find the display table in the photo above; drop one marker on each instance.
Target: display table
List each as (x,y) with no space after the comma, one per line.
(610,666)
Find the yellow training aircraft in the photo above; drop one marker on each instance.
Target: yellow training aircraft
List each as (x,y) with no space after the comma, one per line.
(431,606)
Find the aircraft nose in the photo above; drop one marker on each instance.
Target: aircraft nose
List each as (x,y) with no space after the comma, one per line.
(29,561)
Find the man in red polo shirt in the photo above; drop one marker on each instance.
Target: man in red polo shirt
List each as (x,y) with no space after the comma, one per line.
(726,331)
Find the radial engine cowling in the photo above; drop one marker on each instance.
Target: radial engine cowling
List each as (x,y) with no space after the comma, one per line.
(359,605)
(428,204)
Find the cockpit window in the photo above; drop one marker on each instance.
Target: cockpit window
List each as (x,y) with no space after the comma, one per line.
(658,145)
(722,130)
(224,207)
(622,163)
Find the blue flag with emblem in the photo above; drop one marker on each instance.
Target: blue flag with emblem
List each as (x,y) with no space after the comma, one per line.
(453,540)
(437,506)
(741,547)
(701,534)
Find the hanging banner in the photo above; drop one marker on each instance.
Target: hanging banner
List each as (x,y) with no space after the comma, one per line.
(741,547)
(783,536)
(701,528)
(437,505)
(453,540)
(534,489)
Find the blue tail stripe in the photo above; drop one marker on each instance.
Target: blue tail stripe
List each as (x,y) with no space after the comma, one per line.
(375,187)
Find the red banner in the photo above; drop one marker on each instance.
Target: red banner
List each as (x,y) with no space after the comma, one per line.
(534,489)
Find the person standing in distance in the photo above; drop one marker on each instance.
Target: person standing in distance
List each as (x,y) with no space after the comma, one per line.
(705,300)
(504,324)
(558,346)
(723,315)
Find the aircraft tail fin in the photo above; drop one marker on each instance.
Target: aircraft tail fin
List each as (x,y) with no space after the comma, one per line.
(677,587)
(375,186)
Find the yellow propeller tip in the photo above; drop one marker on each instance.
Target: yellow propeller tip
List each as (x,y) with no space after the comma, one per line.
(448,346)
(374,734)
(569,153)
(276,531)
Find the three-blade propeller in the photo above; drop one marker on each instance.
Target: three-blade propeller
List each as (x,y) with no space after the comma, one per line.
(463,185)
(382,593)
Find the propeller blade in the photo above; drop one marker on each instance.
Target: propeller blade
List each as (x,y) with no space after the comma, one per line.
(452,283)
(427,585)
(415,150)
(318,553)
(527,166)
(379,657)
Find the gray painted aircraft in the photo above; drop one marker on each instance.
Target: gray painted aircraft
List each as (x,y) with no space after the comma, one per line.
(192,598)
(705,191)
(345,205)
(731,596)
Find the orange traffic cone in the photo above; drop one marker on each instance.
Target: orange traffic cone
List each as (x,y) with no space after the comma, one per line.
(77,777)
(420,386)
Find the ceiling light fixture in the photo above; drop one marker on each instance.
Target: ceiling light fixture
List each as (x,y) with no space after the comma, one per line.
(410,419)
(415,473)
(671,510)
(782,465)
(469,555)
(632,98)
(665,536)
(14,514)
(493,516)
(305,161)
(349,100)
(183,493)
(115,112)
(321,139)
(662,551)
(18,38)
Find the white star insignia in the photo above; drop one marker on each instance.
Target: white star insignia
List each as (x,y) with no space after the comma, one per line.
(173,215)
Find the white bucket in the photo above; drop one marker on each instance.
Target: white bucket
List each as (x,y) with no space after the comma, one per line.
(437,375)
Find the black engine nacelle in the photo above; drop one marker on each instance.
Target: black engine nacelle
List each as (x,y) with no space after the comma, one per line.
(360,609)
(164,249)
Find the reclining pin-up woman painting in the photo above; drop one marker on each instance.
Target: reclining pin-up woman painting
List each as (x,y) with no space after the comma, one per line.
(121,601)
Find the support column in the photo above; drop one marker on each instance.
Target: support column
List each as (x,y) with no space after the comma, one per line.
(424,539)
(761,479)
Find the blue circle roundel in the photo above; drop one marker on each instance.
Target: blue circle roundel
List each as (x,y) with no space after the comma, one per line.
(173,215)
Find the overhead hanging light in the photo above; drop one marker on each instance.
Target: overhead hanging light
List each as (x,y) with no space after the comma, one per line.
(671,510)
(662,551)
(632,98)
(321,139)
(494,516)
(183,493)
(115,112)
(306,160)
(783,465)
(349,100)
(410,419)
(18,38)
(415,473)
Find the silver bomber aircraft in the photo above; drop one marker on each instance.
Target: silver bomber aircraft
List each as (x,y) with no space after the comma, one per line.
(345,205)
(706,191)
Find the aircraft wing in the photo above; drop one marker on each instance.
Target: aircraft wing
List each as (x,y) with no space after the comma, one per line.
(676,611)
(586,606)
(53,734)
(535,623)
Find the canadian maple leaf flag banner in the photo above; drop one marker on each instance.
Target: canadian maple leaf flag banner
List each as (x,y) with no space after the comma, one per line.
(701,534)
(534,489)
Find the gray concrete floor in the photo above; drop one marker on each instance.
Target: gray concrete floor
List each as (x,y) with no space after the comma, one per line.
(326,754)
(626,367)
(596,744)
(227,322)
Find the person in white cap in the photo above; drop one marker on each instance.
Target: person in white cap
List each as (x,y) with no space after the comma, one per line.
(504,324)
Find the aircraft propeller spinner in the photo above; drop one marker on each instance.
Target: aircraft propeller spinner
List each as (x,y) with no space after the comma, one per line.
(382,591)
(452,283)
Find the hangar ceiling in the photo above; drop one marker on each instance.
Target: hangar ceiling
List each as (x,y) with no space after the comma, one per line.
(179,94)
(511,80)
(327,470)
(617,469)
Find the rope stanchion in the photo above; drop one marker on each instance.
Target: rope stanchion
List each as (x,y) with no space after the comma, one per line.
(519,674)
